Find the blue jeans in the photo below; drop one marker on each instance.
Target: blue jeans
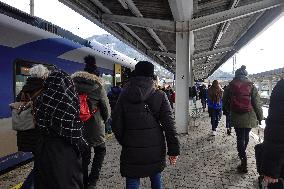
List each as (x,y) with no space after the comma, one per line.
(134,183)
(108,126)
(215,118)
(242,141)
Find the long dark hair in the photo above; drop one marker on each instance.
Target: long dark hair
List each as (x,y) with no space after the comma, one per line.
(215,92)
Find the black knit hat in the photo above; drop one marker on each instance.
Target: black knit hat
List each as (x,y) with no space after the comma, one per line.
(144,68)
(91,66)
(241,71)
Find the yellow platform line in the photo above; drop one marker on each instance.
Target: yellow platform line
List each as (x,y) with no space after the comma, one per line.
(18,186)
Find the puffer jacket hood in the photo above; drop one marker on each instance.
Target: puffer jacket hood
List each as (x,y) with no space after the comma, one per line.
(139,89)
(88,82)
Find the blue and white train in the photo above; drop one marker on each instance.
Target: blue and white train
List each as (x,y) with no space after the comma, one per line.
(23,45)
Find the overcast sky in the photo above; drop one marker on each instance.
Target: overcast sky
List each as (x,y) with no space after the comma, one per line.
(262,54)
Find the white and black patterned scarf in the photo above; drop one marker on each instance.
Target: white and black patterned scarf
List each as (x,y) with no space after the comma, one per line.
(57,109)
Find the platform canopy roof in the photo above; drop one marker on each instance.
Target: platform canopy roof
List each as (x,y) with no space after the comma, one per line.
(220,27)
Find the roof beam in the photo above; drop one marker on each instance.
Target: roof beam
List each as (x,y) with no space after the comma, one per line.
(156,24)
(168,54)
(197,56)
(105,9)
(222,30)
(198,23)
(233,14)
(265,20)
(136,12)
(211,53)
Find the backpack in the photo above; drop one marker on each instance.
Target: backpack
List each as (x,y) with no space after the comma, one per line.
(22,112)
(85,113)
(241,96)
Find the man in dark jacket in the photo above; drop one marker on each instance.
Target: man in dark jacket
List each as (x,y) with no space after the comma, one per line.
(142,119)
(242,101)
(272,165)
(88,82)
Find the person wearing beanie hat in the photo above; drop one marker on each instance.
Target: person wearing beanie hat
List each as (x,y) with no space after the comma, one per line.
(144,68)
(91,66)
(242,102)
(137,121)
(88,82)
(241,72)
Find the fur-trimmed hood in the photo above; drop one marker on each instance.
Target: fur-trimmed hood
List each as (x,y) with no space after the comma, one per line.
(88,76)
(86,82)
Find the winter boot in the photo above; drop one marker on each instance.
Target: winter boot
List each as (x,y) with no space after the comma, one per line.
(242,168)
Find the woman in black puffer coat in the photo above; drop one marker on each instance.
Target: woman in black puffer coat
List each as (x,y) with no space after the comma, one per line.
(273,153)
(142,123)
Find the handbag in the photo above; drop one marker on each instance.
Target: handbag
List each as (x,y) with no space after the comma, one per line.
(22,113)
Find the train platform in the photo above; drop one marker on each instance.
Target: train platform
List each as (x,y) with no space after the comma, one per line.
(205,162)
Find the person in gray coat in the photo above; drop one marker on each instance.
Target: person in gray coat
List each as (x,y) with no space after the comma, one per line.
(88,82)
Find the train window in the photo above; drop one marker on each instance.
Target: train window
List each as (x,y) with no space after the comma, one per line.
(108,81)
(21,74)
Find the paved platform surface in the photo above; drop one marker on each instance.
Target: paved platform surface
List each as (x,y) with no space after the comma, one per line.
(205,162)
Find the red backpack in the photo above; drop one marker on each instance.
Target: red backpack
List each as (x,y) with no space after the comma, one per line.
(241,96)
(85,113)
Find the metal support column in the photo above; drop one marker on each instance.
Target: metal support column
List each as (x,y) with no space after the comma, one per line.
(183,78)
(32,7)
(269,87)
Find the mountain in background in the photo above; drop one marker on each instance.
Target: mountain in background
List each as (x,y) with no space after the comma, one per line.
(221,76)
(116,44)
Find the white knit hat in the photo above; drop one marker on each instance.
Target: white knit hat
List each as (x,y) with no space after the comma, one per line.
(39,71)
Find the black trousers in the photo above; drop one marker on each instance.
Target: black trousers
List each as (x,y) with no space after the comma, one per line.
(242,141)
(57,165)
(98,159)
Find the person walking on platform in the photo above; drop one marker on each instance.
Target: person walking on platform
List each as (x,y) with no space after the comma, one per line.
(226,112)
(113,96)
(272,163)
(58,162)
(28,139)
(215,94)
(142,124)
(88,82)
(243,102)
(203,96)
